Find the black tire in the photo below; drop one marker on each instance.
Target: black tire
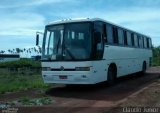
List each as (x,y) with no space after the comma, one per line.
(111,78)
(141,73)
(144,67)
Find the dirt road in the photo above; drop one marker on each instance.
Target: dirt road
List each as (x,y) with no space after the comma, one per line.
(91,99)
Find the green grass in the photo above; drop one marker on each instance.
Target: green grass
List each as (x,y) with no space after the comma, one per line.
(35,101)
(21,63)
(21,77)
(11,83)
(156,61)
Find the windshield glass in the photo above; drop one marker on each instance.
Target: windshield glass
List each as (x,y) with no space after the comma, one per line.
(70,41)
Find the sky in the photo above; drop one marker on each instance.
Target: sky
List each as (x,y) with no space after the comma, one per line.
(20,19)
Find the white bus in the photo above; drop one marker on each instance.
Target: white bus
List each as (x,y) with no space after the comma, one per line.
(90,51)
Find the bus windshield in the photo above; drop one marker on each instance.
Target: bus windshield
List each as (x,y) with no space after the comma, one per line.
(70,41)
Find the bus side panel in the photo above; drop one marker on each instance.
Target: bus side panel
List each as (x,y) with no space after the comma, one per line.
(128,60)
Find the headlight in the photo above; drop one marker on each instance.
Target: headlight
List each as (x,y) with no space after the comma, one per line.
(46,69)
(82,68)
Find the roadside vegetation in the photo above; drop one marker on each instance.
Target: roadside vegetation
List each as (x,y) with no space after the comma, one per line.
(156,56)
(20,75)
(10,83)
(26,101)
(24,62)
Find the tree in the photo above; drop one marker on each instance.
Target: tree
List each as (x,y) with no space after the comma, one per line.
(18,50)
(2,51)
(156,51)
(156,55)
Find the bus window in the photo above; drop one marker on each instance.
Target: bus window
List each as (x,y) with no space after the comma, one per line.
(135,40)
(120,36)
(129,38)
(145,42)
(138,39)
(109,33)
(125,38)
(115,35)
(150,43)
(140,42)
(132,39)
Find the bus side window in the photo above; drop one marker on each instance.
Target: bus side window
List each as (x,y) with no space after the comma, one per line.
(120,36)
(150,43)
(109,34)
(125,38)
(115,35)
(132,39)
(135,40)
(141,42)
(129,38)
(138,40)
(147,39)
(145,42)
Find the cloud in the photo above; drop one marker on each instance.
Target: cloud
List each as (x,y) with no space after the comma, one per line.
(21,24)
(21,3)
(10,42)
(144,20)
(121,15)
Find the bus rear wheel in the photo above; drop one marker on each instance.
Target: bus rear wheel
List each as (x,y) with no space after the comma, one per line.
(112,73)
(144,68)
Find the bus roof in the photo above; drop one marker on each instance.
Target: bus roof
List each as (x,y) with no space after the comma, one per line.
(90,20)
(73,20)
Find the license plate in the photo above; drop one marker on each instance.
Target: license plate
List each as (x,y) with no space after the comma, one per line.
(62,77)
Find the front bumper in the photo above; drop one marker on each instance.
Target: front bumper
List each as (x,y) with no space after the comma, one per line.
(82,77)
